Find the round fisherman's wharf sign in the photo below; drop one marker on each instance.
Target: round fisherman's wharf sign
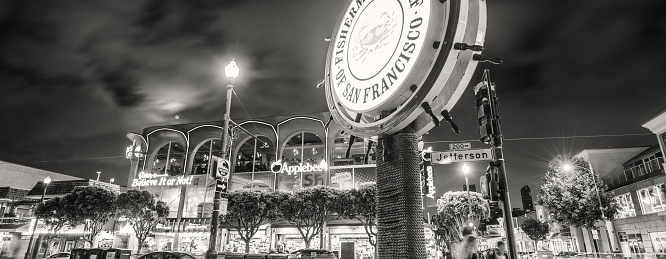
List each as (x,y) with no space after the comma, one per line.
(394,64)
(377,44)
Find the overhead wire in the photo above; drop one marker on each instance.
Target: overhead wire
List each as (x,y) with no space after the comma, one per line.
(427,142)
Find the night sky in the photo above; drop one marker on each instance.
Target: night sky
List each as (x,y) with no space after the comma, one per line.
(77,76)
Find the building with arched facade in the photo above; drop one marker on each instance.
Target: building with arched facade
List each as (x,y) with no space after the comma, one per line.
(188,152)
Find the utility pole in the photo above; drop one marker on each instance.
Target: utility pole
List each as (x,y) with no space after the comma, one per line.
(491,133)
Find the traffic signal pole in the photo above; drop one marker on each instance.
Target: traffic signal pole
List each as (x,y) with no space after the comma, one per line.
(491,133)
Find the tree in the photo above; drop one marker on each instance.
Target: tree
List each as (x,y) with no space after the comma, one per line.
(308,209)
(92,206)
(456,205)
(142,212)
(446,229)
(248,210)
(55,216)
(535,229)
(360,204)
(453,214)
(570,195)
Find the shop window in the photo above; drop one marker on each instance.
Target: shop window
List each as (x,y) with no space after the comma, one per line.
(169,159)
(255,155)
(205,155)
(626,206)
(359,148)
(651,199)
(304,148)
(199,199)
(171,196)
(658,241)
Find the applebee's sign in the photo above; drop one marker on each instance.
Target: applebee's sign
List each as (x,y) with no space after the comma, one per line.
(279,167)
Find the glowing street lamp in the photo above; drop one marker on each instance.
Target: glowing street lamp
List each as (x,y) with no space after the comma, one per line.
(567,167)
(465,169)
(232,72)
(46,182)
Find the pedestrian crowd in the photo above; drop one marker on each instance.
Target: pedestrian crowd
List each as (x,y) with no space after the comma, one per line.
(469,247)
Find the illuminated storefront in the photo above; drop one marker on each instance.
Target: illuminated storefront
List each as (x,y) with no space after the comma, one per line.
(175,163)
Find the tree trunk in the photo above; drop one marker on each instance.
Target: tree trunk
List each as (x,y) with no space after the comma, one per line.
(307,242)
(138,249)
(399,202)
(247,246)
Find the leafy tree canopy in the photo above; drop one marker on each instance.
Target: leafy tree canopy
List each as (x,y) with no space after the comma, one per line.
(54,214)
(308,209)
(456,205)
(248,210)
(359,204)
(91,206)
(141,211)
(535,229)
(568,192)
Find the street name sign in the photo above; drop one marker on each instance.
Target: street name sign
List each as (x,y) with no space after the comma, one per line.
(472,155)
(460,146)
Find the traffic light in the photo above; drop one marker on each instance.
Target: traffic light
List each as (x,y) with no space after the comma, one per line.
(492,178)
(485,107)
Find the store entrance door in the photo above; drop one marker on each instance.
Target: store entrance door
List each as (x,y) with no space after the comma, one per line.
(347,250)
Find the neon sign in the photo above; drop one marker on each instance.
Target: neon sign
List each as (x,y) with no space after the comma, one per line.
(149,179)
(279,167)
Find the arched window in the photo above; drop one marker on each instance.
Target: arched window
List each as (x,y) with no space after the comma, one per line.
(199,200)
(360,147)
(302,149)
(204,156)
(169,159)
(255,155)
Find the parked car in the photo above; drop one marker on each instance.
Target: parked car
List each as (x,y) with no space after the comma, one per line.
(566,254)
(166,255)
(312,254)
(58,255)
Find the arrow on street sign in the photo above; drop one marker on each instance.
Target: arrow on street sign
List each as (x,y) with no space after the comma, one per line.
(471,155)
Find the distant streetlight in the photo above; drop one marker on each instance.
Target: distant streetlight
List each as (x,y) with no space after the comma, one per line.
(46,182)
(98,173)
(112,180)
(465,169)
(232,72)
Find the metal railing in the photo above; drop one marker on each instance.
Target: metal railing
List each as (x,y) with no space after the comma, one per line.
(644,168)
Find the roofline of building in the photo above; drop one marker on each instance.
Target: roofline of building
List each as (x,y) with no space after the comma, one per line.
(657,124)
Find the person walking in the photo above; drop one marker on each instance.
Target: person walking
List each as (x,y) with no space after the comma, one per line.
(500,253)
(468,248)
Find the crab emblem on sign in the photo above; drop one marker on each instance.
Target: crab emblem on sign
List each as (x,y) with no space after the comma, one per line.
(392,64)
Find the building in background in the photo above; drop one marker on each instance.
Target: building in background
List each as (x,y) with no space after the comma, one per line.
(472,187)
(69,238)
(638,185)
(16,207)
(526,197)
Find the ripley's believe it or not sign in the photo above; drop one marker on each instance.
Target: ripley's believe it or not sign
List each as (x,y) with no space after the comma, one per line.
(148,179)
(389,57)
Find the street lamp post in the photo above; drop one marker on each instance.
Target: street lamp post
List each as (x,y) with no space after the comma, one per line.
(465,169)
(231,71)
(569,167)
(47,180)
